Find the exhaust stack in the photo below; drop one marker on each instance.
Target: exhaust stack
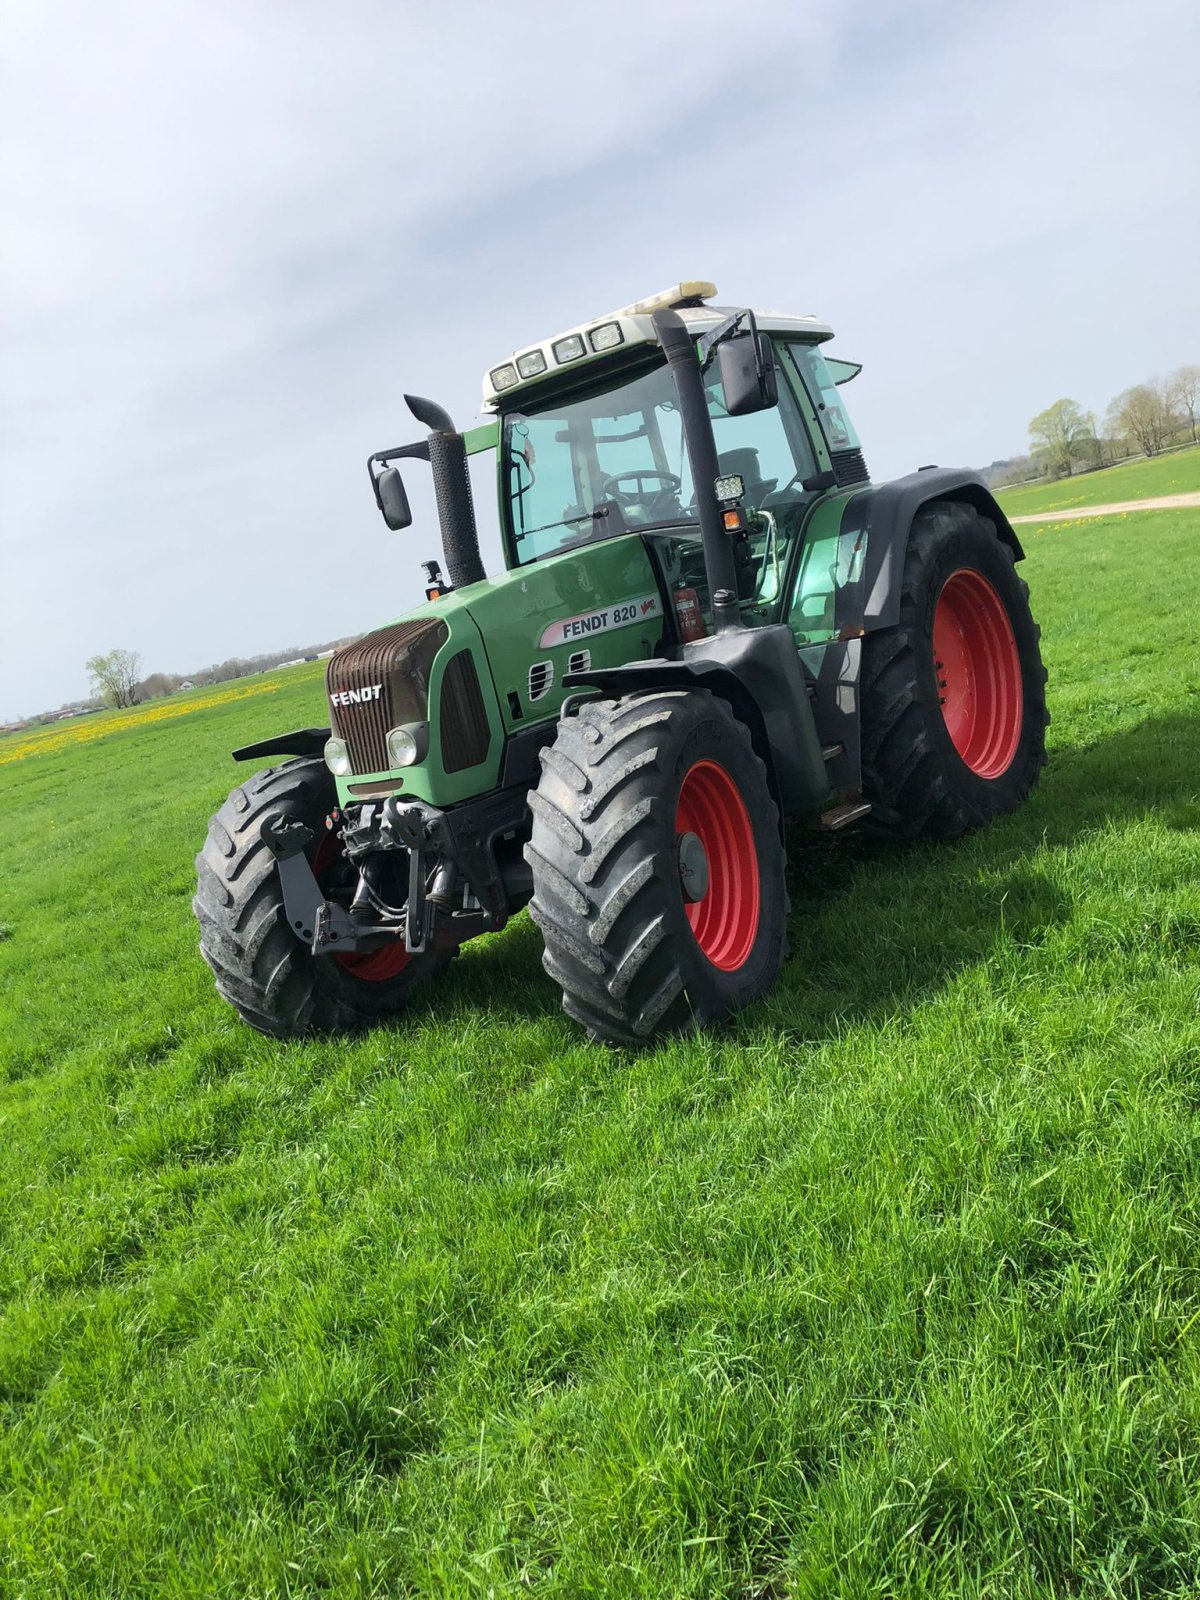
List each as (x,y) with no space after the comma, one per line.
(680,352)
(452,487)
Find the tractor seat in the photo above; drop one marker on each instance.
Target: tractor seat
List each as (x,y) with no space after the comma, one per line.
(744,461)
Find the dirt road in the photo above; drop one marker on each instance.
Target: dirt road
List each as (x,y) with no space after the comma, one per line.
(1165,502)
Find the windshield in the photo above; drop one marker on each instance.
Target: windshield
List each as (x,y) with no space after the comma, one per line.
(614,462)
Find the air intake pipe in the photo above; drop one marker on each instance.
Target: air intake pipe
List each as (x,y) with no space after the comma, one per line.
(680,352)
(452,486)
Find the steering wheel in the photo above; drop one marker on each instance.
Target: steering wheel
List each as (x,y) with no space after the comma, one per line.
(673,484)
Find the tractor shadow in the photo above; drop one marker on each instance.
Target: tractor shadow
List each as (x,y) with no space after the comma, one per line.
(876,927)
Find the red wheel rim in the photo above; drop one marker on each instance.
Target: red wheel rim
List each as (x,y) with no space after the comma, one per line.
(372,966)
(724,920)
(978,672)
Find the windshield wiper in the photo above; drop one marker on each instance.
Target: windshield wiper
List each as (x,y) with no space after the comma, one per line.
(563,522)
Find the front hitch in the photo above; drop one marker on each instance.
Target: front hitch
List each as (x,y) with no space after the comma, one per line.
(467,895)
(325,925)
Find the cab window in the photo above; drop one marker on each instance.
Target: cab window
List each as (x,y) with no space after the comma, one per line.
(615,462)
(818,380)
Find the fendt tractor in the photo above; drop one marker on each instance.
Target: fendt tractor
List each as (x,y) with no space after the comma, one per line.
(710,621)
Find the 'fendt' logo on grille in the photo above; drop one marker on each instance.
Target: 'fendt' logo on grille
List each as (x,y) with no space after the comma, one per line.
(354,697)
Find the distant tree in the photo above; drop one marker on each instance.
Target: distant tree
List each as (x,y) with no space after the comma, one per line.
(1061,434)
(156,685)
(115,676)
(1183,394)
(1017,469)
(1143,416)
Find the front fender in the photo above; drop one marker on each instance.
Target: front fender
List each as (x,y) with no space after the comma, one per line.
(759,673)
(300,742)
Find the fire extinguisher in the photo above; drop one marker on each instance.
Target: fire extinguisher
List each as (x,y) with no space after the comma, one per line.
(689,614)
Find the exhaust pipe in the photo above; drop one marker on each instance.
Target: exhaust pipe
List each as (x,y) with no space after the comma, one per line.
(452,487)
(680,352)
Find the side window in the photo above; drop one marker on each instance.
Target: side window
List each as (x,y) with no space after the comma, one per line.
(770,449)
(543,484)
(818,380)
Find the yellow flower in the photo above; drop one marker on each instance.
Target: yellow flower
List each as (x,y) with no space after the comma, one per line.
(47,741)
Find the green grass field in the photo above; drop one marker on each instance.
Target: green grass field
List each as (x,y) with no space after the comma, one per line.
(891,1289)
(1142,479)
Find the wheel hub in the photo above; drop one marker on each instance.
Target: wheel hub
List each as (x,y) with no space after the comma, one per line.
(692,859)
(723,916)
(978,671)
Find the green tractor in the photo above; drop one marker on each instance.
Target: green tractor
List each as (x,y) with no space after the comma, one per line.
(710,621)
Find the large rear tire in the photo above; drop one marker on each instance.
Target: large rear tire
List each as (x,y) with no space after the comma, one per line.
(953,698)
(270,978)
(658,867)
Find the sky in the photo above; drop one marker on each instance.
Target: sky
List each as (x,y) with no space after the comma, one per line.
(234,233)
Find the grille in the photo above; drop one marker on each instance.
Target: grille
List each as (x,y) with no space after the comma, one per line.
(541,679)
(398,659)
(462,716)
(849,467)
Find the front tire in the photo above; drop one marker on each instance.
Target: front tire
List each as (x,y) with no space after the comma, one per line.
(658,867)
(270,978)
(954,697)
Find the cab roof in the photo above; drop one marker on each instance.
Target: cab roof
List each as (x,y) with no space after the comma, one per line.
(632,325)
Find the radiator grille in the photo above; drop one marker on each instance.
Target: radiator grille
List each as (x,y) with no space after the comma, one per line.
(849,467)
(398,659)
(462,716)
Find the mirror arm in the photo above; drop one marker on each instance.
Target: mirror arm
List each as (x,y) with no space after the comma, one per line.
(708,342)
(419,451)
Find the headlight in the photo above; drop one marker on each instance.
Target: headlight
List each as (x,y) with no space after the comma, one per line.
(606,337)
(407,745)
(337,757)
(531,363)
(569,349)
(503,377)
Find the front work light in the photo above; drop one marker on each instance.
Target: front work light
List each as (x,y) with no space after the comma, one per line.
(407,745)
(531,363)
(337,757)
(503,377)
(731,487)
(568,349)
(606,337)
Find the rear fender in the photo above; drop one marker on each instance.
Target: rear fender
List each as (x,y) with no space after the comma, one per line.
(885,515)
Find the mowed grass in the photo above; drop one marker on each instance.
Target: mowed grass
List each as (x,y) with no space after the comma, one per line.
(1177,473)
(891,1289)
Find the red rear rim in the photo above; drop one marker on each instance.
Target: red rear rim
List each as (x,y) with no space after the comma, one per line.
(725,920)
(372,966)
(979,673)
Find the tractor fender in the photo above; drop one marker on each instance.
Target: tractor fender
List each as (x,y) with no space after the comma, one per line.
(300,742)
(759,673)
(885,514)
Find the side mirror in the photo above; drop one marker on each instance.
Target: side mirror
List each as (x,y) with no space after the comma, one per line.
(747,369)
(393,498)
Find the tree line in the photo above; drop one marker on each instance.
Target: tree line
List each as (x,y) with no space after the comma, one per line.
(1145,420)
(116,676)
(117,680)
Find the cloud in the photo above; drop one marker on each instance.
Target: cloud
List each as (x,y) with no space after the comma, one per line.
(234,235)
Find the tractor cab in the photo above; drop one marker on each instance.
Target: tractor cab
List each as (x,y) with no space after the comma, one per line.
(591,446)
